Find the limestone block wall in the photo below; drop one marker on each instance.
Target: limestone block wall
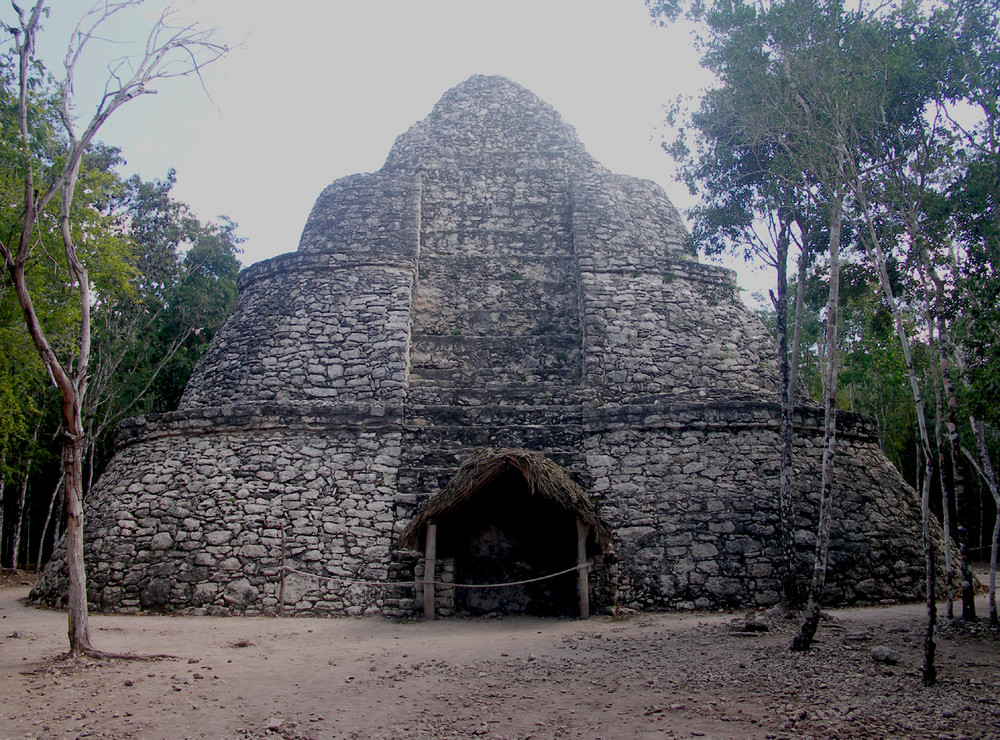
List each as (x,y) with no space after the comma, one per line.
(511,206)
(523,296)
(500,278)
(366,217)
(444,595)
(198,508)
(624,223)
(496,293)
(308,329)
(464,360)
(679,330)
(195,521)
(691,497)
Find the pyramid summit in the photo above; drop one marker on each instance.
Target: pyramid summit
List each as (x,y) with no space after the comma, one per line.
(488,118)
(490,361)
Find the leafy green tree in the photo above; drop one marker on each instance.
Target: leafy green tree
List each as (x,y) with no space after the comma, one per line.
(754,205)
(764,186)
(50,177)
(163,282)
(149,334)
(797,82)
(970,29)
(856,110)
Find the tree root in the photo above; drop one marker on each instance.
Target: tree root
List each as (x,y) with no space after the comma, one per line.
(86,658)
(95,654)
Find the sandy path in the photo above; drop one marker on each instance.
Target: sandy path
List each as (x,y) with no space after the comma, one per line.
(651,676)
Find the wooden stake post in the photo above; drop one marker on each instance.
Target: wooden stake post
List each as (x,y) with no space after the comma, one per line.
(582,573)
(281,593)
(430,561)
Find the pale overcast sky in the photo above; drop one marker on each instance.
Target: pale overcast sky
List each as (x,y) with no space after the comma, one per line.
(315,90)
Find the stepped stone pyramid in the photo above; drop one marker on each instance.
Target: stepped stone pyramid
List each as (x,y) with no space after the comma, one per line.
(492,286)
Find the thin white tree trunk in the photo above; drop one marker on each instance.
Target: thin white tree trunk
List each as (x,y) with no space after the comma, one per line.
(821,366)
(56,533)
(807,630)
(3,482)
(23,497)
(994,620)
(951,362)
(793,375)
(951,433)
(878,259)
(786,511)
(48,520)
(19,520)
(988,474)
(949,568)
(27,541)
(169,52)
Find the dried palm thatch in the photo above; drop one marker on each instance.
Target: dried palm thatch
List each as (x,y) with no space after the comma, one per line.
(544,479)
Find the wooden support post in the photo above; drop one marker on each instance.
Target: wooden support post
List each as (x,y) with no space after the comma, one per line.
(281,591)
(430,561)
(582,573)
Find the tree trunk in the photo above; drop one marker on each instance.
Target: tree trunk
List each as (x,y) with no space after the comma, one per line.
(929,673)
(78,623)
(89,445)
(195,48)
(56,525)
(27,541)
(19,518)
(988,474)
(800,291)
(965,566)
(807,630)
(994,620)
(878,259)
(949,568)
(786,511)
(3,483)
(821,367)
(48,520)
(957,482)
(23,498)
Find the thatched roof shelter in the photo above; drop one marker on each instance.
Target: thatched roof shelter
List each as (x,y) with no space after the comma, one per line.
(544,478)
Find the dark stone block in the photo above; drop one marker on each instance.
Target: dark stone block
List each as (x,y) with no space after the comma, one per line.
(156,594)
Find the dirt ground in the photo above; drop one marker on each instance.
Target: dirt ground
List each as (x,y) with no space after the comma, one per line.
(646,676)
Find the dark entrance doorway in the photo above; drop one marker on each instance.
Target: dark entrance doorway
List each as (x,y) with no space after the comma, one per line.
(505,535)
(508,516)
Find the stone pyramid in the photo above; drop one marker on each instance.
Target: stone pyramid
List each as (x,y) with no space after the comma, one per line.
(492,286)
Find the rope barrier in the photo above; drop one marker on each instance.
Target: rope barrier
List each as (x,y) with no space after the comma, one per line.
(356,582)
(512,583)
(348,581)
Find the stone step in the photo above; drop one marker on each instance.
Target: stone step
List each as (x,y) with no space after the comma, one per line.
(486,319)
(516,244)
(434,377)
(474,360)
(501,394)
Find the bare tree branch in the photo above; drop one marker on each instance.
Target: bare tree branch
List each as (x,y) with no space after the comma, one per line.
(169,52)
